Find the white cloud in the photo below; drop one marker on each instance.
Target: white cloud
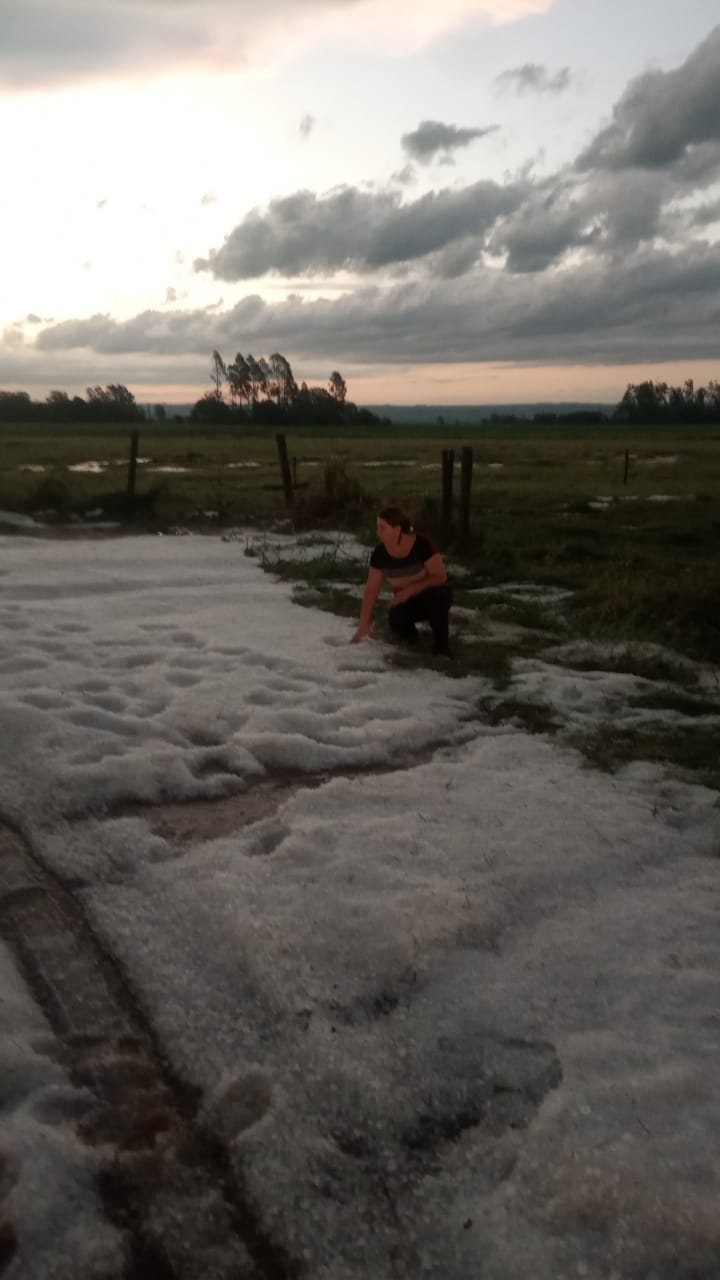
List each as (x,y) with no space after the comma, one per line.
(48,42)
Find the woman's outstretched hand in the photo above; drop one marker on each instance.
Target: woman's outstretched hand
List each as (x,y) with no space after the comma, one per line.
(362,633)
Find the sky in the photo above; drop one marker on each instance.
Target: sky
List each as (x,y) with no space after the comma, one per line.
(449,201)
(456,1012)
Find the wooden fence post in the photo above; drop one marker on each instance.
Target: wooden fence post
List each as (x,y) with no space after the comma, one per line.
(627,466)
(466,470)
(285,470)
(132,465)
(446,490)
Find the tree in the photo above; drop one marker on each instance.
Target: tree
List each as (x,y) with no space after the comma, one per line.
(113,403)
(649,401)
(259,375)
(282,385)
(217,373)
(337,387)
(59,406)
(16,405)
(239,380)
(211,410)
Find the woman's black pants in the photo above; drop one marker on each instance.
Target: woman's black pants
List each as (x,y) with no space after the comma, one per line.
(431,605)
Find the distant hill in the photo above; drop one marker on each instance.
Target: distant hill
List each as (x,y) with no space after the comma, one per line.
(451,413)
(464,413)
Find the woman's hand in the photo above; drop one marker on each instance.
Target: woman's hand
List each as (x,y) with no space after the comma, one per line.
(362,633)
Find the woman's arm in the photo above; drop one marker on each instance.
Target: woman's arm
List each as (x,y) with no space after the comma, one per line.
(435,576)
(369,600)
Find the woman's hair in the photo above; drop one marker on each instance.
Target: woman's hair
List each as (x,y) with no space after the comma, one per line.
(396,516)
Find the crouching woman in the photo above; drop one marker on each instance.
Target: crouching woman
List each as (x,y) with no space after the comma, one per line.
(414,570)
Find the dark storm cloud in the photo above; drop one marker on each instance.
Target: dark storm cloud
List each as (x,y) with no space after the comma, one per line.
(590,208)
(657,306)
(432,138)
(632,187)
(355,230)
(663,115)
(534,78)
(604,214)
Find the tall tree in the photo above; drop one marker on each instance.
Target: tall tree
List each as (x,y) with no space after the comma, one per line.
(59,407)
(217,373)
(337,387)
(282,387)
(113,402)
(239,379)
(259,374)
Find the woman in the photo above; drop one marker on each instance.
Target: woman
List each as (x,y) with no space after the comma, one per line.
(417,577)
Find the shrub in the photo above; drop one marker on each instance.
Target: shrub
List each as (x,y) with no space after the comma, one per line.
(342,497)
(52,494)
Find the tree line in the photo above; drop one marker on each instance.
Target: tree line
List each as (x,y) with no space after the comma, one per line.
(658,402)
(104,404)
(266,390)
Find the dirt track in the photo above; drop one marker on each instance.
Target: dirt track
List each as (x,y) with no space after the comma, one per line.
(166,1183)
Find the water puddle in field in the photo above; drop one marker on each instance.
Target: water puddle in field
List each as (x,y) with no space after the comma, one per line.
(93,467)
(408,462)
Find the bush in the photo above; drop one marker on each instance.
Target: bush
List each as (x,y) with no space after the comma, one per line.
(52,494)
(342,498)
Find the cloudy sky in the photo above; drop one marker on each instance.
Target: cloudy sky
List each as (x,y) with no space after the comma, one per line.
(451,201)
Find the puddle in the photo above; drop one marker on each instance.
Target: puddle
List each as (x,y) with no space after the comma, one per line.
(409,462)
(92,467)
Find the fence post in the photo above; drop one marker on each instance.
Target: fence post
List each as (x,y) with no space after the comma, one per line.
(132,465)
(466,470)
(285,470)
(627,465)
(446,490)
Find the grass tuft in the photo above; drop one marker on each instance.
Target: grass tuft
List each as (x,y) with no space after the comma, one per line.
(692,750)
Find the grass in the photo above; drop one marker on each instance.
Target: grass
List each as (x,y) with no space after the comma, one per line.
(675,700)
(471,657)
(332,599)
(535,717)
(631,660)
(691,750)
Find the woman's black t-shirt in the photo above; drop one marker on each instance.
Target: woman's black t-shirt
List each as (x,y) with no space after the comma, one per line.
(403,568)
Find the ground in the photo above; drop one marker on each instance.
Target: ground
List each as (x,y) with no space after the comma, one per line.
(314,966)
